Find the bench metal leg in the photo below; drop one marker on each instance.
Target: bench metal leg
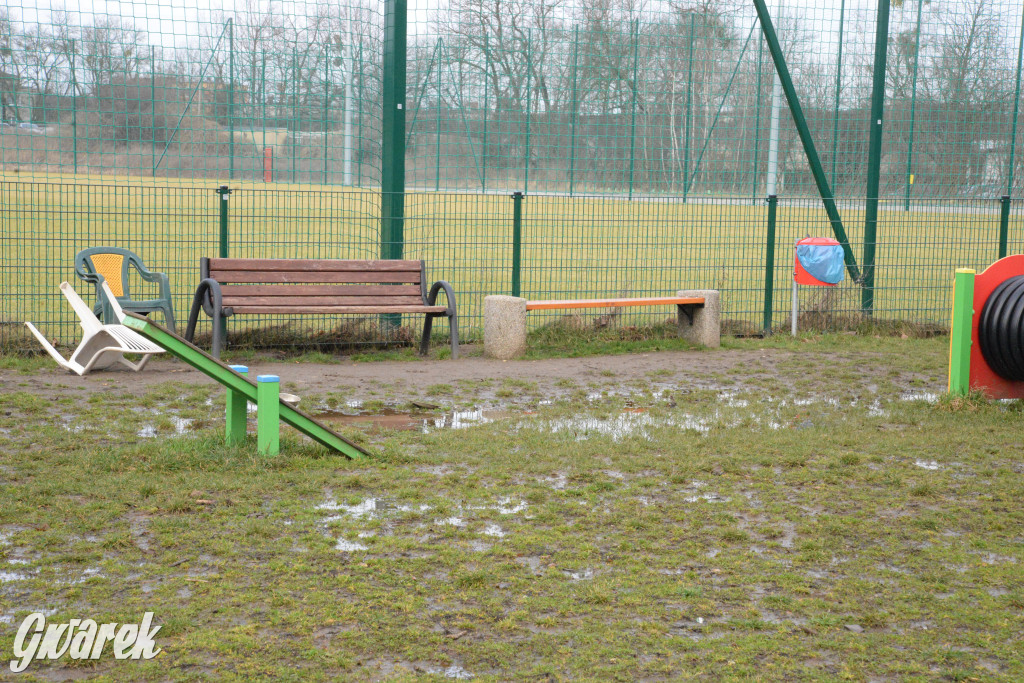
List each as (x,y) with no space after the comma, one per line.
(428,325)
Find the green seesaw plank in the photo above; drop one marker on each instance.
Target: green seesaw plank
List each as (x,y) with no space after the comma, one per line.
(220,372)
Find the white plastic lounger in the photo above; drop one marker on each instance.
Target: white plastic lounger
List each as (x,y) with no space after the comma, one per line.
(101,345)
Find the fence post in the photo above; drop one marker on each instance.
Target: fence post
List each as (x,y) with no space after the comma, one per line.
(867,295)
(1004,223)
(1016,109)
(689,117)
(487,79)
(839,88)
(222,194)
(769,265)
(231,98)
(572,113)
(74,110)
(517,240)
(393,134)
(632,115)
(913,109)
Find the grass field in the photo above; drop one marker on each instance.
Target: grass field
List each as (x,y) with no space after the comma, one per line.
(804,510)
(579,246)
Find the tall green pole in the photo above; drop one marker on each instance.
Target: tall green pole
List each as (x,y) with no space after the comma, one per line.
(632,115)
(74,109)
(806,139)
(769,265)
(437,156)
(487,83)
(529,100)
(839,89)
(517,241)
(222,195)
(152,102)
(1016,109)
(572,143)
(757,121)
(1004,224)
(867,300)
(231,98)
(689,117)
(913,109)
(393,130)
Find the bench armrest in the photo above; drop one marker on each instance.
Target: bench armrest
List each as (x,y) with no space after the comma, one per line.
(208,297)
(449,295)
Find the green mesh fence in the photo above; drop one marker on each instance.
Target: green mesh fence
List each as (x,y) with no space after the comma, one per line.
(642,139)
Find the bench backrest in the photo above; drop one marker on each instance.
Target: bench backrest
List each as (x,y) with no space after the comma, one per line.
(304,283)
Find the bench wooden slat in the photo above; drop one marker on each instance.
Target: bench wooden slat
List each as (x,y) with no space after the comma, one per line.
(315,301)
(313,265)
(301,277)
(321,290)
(364,310)
(610,303)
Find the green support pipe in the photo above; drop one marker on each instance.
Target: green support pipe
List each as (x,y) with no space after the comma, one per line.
(517,241)
(237,411)
(757,121)
(1004,224)
(1016,109)
(224,375)
(572,143)
(913,110)
(487,83)
(393,131)
(769,265)
(222,200)
(806,139)
(231,98)
(867,293)
(839,89)
(632,115)
(529,101)
(689,117)
(960,333)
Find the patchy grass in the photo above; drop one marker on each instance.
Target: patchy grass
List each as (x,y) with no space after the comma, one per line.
(788,526)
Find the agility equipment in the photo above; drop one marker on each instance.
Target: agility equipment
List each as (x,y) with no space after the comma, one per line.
(818,262)
(101,345)
(986,346)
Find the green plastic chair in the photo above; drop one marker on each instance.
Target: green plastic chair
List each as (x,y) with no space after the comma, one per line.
(110,265)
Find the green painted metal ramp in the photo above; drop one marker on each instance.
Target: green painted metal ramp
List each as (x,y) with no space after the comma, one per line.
(209,365)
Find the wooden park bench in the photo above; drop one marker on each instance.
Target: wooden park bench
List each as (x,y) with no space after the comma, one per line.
(505,317)
(233,286)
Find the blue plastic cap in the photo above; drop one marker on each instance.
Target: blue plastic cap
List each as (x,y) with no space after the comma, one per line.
(239,368)
(268,378)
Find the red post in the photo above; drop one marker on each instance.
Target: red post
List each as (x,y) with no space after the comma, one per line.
(268,164)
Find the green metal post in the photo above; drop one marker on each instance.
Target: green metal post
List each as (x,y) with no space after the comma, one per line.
(222,193)
(74,109)
(572,143)
(268,414)
(1004,224)
(517,240)
(231,99)
(867,300)
(632,115)
(960,333)
(757,121)
(152,103)
(806,139)
(839,89)
(487,83)
(437,129)
(393,130)
(237,411)
(529,101)
(1016,109)
(769,265)
(327,101)
(913,109)
(689,117)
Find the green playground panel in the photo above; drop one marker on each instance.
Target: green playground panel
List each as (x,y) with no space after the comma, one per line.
(240,384)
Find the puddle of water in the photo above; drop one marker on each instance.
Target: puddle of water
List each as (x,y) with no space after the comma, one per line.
(422,422)
(13,576)
(182,425)
(454,671)
(368,508)
(579,575)
(449,521)
(494,530)
(927,464)
(709,497)
(927,396)
(626,424)
(348,546)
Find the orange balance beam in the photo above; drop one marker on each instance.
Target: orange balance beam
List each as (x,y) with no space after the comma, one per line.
(610,303)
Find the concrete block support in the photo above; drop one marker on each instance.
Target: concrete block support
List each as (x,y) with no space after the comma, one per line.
(705,327)
(504,326)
